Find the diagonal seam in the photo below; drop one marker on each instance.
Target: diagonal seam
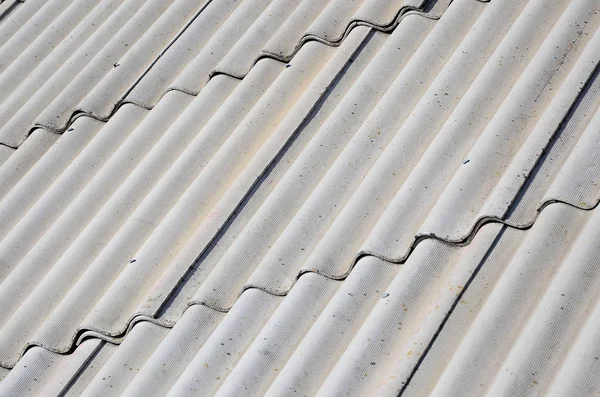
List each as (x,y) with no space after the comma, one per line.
(454,304)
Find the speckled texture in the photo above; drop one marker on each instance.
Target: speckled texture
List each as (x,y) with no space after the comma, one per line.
(299,198)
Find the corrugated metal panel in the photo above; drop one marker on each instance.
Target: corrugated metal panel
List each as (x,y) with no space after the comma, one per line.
(73,57)
(527,299)
(257,196)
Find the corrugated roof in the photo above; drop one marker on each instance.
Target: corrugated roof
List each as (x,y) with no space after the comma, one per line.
(525,321)
(7,7)
(257,29)
(66,58)
(521,297)
(263,217)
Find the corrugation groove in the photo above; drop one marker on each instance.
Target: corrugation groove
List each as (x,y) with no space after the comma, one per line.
(544,153)
(449,313)
(5,11)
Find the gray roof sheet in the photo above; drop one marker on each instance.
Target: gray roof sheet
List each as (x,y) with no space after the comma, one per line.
(512,295)
(62,58)
(367,201)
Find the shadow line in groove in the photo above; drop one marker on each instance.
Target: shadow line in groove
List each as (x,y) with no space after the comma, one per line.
(73,379)
(10,9)
(540,160)
(454,304)
(316,107)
